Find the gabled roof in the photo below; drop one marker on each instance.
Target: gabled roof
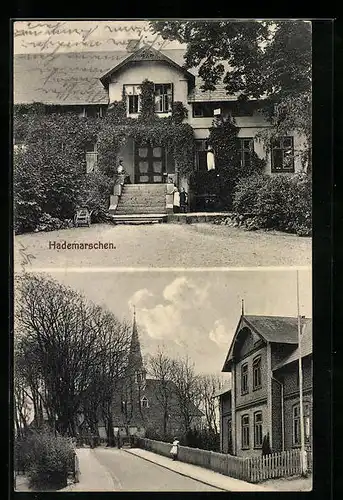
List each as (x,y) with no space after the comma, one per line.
(273,329)
(145,53)
(73,78)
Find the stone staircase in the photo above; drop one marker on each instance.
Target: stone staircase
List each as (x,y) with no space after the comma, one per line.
(141,203)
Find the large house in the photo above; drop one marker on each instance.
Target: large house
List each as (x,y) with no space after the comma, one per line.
(145,406)
(263,360)
(88,83)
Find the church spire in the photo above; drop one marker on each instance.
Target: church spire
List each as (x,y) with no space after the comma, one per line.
(135,356)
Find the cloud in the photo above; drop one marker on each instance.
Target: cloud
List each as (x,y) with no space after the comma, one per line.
(176,314)
(220,334)
(141,298)
(185,293)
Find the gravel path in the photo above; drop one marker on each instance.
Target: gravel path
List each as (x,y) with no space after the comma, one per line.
(164,245)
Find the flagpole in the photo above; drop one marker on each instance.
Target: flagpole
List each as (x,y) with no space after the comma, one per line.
(301,406)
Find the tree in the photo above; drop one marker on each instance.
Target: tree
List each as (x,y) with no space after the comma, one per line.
(161,368)
(209,386)
(269,61)
(187,390)
(73,342)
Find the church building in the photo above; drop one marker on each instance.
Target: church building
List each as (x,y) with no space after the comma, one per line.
(139,407)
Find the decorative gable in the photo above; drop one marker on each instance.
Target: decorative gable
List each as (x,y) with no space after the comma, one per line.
(147,54)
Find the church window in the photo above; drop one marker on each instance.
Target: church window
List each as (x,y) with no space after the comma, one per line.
(145,402)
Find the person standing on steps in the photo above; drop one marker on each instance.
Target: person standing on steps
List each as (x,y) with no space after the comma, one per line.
(176,200)
(174,449)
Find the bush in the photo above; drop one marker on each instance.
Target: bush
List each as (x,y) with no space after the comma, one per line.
(47,459)
(276,202)
(28,189)
(96,194)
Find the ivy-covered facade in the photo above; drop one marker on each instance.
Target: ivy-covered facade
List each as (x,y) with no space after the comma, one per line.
(145,110)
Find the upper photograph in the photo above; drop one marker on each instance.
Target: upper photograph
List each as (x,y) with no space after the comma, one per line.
(162,144)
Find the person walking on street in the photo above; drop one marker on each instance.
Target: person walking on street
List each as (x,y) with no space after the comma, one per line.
(174,449)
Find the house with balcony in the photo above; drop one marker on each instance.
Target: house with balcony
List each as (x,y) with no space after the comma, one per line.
(90,83)
(263,399)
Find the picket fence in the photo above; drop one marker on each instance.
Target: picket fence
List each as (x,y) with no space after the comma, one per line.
(253,469)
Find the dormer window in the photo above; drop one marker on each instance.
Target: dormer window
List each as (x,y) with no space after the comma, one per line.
(133,98)
(163,97)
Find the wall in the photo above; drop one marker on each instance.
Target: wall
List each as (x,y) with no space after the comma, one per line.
(291,395)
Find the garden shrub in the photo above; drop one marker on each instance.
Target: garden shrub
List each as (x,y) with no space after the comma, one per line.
(276,202)
(96,194)
(49,459)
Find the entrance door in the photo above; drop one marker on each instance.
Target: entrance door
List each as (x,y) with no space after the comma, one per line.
(149,164)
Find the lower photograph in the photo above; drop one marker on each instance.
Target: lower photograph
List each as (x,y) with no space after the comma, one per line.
(162,381)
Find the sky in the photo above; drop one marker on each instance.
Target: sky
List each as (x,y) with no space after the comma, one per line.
(194,313)
(70,36)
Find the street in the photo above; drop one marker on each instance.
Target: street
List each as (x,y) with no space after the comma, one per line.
(162,245)
(131,473)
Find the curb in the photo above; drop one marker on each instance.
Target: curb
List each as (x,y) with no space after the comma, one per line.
(177,472)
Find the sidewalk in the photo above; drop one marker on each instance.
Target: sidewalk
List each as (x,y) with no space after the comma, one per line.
(206,476)
(93,476)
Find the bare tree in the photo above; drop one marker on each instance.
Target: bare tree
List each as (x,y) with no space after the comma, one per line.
(73,341)
(209,385)
(187,390)
(160,367)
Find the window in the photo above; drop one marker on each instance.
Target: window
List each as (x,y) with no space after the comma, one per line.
(139,377)
(247,148)
(126,406)
(296,425)
(258,429)
(163,97)
(256,369)
(91,157)
(283,155)
(133,100)
(245,432)
(93,111)
(203,110)
(145,402)
(229,435)
(244,379)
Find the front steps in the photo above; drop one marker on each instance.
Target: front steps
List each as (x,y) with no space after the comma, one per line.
(141,204)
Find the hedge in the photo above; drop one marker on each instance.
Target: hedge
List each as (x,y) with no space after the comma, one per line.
(281,202)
